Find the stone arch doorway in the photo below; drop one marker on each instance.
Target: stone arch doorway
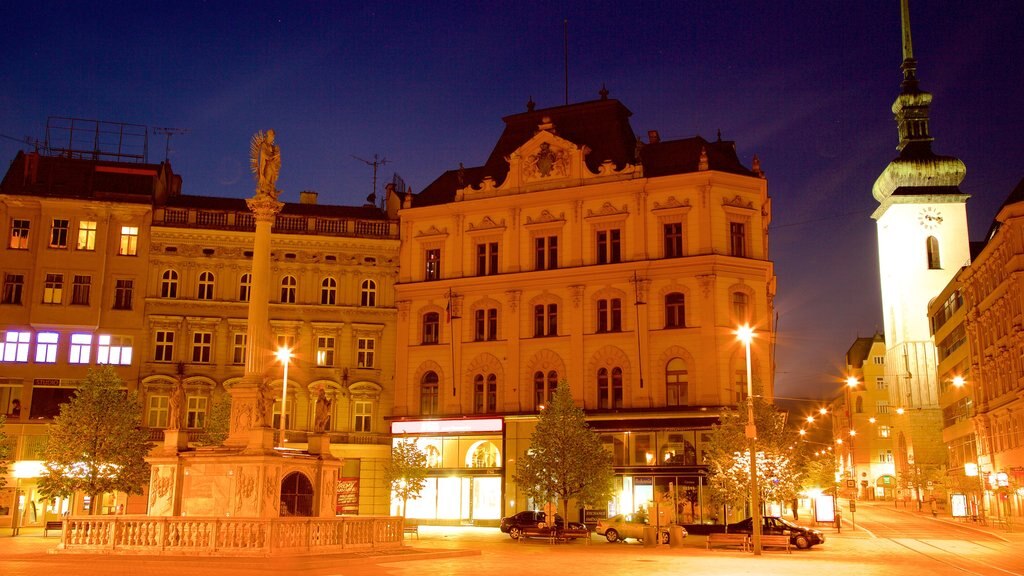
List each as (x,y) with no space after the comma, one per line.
(296,495)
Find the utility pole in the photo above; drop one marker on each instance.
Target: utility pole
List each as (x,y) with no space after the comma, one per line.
(168,132)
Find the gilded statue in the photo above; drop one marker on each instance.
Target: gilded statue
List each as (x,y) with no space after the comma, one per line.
(265,161)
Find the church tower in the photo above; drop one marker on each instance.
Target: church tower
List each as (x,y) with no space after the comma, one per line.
(922,243)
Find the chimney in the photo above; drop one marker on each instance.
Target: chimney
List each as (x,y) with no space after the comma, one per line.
(307,197)
(653,137)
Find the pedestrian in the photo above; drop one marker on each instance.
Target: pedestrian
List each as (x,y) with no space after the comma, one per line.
(15,409)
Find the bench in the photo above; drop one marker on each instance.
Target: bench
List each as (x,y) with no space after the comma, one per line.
(411,528)
(57,525)
(776,541)
(722,539)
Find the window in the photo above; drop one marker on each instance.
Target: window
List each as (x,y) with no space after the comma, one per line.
(156,414)
(86,235)
(882,407)
(486,325)
(885,456)
(205,286)
(59,233)
(609,388)
(741,386)
(163,351)
(288,284)
(195,416)
(364,352)
(880,383)
(737,239)
(740,308)
(245,288)
(287,418)
(202,347)
(81,348)
(545,252)
(14,285)
(609,246)
(328,291)
(932,246)
(169,284)
(362,415)
(677,383)
(80,290)
(859,405)
(14,347)
(431,328)
(545,320)
(19,234)
(46,347)
(544,386)
(878,360)
(53,289)
(429,393)
(129,241)
(238,341)
(675,310)
(609,315)
(485,394)
(114,350)
(884,432)
(673,239)
(432,268)
(123,294)
(286,341)
(368,293)
(486,258)
(325,351)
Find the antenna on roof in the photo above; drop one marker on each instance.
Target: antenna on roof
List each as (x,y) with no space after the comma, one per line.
(565,48)
(377,161)
(168,132)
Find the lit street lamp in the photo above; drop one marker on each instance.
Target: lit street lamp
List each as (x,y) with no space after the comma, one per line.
(284,355)
(745,334)
(851,385)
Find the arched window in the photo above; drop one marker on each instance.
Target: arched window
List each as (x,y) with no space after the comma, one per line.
(485,393)
(431,328)
(741,308)
(296,495)
(677,383)
(429,392)
(544,387)
(169,284)
(245,288)
(288,285)
(328,291)
(933,253)
(675,310)
(609,388)
(859,405)
(368,293)
(205,286)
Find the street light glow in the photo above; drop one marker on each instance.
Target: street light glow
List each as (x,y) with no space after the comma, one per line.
(822,410)
(958,381)
(284,355)
(900,411)
(745,334)
(852,382)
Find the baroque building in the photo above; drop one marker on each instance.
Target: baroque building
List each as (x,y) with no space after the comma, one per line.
(578,255)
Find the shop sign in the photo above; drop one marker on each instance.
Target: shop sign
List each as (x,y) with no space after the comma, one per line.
(468,425)
(347,496)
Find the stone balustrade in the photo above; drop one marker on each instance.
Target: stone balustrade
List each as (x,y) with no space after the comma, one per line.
(174,535)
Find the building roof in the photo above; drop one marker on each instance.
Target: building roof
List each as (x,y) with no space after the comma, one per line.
(1016,195)
(34,174)
(861,350)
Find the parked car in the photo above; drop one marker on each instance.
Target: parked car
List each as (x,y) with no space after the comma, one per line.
(799,536)
(532,523)
(623,526)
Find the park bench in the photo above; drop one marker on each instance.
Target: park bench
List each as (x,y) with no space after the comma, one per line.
(57,525)
(411,527)
(776,541)
(722,539)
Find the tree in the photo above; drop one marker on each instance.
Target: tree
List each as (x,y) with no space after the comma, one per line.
(97,444)
(566,459)
(218,422)
(406,474)
(5,451)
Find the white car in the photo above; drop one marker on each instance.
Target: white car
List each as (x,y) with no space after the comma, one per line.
(622,526)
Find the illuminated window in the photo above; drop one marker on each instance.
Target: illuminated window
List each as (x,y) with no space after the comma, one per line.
(86,235)
(14,347)
(81,348)
(885,456)
(432,266)
(677,383)
(238,340)
(205,286)
(202,347)
(609,388)
(365,352)
(114,350)
(14,285)
(157,412)
(485,393)
(429,393)
(431,327)
(245,288)
(80,286)
(609,315)
(195,416)
(609,246)
(129,241)
(163,349)
(59,233)
(53,289)
(288,284)
(46,347)
(169,284)
(737,239)
(486,258)
(544,387)
(673,239)
(675,310)
(545,252)
(328,291)
(123,294)
(19,234)
(362,416)
(325,351)
(368,293)
(884,432)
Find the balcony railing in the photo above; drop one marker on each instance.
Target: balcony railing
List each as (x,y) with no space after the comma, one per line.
(290,223)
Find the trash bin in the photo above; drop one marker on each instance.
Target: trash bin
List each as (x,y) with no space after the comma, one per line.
(675,536)
(650,536)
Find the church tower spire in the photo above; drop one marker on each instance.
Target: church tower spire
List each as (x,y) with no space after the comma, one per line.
(911,107)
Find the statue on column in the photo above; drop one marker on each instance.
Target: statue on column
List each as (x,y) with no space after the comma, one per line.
(174,405)
(264,402)
(265,161)
(323,412)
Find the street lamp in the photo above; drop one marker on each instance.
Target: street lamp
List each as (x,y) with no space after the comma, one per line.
(851,385)
(745,334)
(284,355)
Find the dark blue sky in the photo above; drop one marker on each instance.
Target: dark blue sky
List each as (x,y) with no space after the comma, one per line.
(806,85)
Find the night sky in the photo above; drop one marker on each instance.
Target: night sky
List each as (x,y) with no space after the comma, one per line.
(805,85)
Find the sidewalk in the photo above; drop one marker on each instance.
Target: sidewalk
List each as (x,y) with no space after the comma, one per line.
(1009,532)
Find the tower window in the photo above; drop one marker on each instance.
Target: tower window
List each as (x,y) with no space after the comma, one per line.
(933,253)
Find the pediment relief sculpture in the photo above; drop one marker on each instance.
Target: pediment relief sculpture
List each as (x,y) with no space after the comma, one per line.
(487,223)
(671,202)
(432,231)
(737,202)
(545,218)
(607,210)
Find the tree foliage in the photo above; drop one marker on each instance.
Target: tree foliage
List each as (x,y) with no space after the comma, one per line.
(97,444)
(5,451)
(566,459)
(218,422)
(406,473)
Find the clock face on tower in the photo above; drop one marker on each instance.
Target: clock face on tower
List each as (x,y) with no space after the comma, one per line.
(929,217)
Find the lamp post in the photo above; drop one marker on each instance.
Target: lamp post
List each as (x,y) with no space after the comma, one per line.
(284,354)
(851,385)
(745,334)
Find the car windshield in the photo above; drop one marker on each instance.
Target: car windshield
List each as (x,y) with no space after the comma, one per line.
(788,524)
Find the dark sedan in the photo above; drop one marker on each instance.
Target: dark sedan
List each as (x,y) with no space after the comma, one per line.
(799,536)
(532,523)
